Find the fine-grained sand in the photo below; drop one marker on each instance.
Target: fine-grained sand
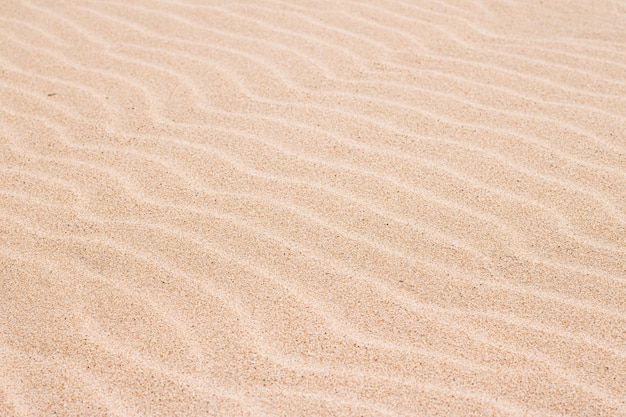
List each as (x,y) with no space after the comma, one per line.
(299,208)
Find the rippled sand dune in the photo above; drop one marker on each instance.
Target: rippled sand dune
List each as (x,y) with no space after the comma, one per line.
(342,208)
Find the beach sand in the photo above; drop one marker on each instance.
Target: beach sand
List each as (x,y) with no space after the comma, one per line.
(311,208)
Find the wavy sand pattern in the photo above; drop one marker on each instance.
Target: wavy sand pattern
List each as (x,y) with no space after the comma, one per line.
(383,208)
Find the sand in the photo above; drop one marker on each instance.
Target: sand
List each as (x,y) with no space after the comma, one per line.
(312,208)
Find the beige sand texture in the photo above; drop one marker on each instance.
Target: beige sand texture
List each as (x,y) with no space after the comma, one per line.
(312,208)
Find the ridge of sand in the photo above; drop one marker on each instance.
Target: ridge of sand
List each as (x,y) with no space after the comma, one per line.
(312,208)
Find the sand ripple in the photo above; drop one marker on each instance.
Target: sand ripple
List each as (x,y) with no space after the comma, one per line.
(266,207)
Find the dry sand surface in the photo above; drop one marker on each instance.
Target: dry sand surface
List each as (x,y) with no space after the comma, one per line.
(311,208)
